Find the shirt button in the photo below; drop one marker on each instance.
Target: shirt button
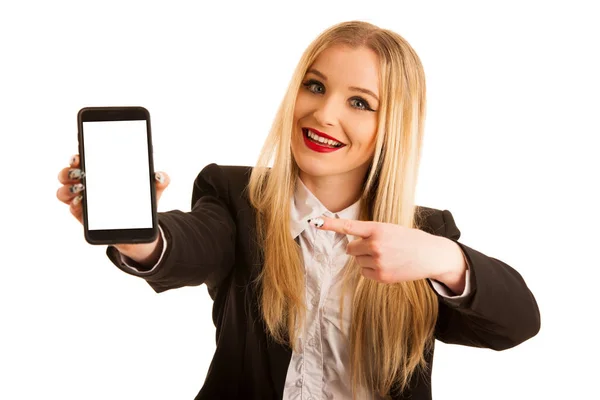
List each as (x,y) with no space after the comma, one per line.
(312,342)
(299,383)
(321,258)
(315,301)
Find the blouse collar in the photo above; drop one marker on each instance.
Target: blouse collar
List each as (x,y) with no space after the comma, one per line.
(305,205)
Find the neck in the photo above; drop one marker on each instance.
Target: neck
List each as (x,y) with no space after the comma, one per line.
(335,192)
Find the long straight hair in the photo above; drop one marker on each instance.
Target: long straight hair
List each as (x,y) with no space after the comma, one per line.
(392,325)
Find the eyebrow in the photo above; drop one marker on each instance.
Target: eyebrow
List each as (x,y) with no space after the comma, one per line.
(358,89)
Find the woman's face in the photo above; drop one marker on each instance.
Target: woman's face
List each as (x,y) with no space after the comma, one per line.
(338,100)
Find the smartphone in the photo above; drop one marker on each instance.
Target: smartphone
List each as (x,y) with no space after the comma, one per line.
(115,151)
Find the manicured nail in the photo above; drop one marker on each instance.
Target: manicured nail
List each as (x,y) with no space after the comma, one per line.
(73,159)
(159,177)
(318,222)
(76,174)
(77,200)
(78,187)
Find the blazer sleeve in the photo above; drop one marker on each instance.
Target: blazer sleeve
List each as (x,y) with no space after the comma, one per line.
(200,243)
(500,312)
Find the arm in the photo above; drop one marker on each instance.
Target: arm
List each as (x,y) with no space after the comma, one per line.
(199,245)
(498,313)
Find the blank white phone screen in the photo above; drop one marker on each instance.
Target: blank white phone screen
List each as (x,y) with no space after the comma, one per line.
(117,175)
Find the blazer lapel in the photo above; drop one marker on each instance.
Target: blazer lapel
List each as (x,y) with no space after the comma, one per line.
(279,360)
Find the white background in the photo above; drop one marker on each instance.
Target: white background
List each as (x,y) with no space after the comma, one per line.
(107,208)
(511,150)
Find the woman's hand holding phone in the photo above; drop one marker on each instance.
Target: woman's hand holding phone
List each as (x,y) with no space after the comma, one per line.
(72,191)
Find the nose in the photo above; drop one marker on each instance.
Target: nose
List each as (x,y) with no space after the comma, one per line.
(327,112)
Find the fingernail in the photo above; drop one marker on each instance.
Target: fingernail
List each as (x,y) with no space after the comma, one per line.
(77,200)
(73,159)
(317,222)
(159,177)
(76,174)
(78,187)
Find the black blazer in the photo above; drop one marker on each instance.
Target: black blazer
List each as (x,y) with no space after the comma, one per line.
(215,244)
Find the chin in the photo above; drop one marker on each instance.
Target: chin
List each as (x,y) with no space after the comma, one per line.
(322,168)
(315,168)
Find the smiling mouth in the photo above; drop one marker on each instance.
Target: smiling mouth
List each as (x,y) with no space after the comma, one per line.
(321,141)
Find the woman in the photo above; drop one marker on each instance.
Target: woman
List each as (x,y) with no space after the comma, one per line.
(327,280)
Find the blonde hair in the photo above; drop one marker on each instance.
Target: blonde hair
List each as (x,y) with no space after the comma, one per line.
(392,325)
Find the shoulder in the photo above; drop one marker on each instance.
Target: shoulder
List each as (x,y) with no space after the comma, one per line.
(235,177)
(437,222)
(229,172)
(226,182)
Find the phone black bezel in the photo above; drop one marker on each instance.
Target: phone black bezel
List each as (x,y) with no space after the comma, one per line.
(117,236)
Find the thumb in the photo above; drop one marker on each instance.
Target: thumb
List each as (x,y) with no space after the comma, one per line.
(162,180)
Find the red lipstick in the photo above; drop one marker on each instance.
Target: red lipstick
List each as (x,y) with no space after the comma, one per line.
(322,134)
(316,146)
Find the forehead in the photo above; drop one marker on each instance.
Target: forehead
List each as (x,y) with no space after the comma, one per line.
(342,64)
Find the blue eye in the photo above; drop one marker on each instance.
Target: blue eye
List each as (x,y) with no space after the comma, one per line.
(359,103)
(314,86)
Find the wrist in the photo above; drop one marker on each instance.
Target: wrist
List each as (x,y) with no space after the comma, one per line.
(145,254)
(454,267)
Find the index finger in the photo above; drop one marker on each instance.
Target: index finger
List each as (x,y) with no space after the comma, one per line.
(362,229)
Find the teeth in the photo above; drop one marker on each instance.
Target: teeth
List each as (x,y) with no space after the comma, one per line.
(320,139)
